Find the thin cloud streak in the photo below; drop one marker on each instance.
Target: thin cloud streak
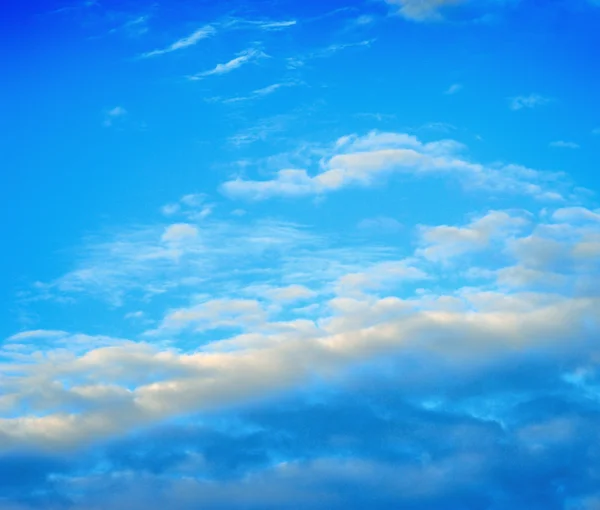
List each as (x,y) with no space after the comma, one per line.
(243,58)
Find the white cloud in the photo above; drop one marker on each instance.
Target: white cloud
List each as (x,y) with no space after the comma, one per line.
(290,293)
(453,89)
(444,242)
(171,383)
(217,313)
(186,42)
(245,57)
(37,333)
(423,10)
(360,161)
(575,214)
(113,386)
(561,144)
(179,232)
(262,92)
(530,101)
(135,315)
(262,24)
(596,131)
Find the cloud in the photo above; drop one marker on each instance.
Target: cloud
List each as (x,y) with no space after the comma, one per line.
(445,242)
(561,144)
(423,10)
(596,131)
(236,350)
(362,160)
(116,114)
(179,232)
(212,29)
(453,89)
(186,42)
(261,24)
(258,93)
(328,51)
(530,101)
(38,333)
(245,57)
(289,293)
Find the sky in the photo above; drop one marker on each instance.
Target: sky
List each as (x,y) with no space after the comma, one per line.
(276,254)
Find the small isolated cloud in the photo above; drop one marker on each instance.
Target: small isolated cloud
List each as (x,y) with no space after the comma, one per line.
(530,101)
(423,10)
(380,224)
(116,114)
(179,232)
(453,89)
(186,42)
(596,132)
(243,58)
(561,144)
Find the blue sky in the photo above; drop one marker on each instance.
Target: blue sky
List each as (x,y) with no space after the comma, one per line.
(300,255)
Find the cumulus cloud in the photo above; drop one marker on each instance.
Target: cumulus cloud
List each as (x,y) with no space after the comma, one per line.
(84,388)
(445,242)
(362,160)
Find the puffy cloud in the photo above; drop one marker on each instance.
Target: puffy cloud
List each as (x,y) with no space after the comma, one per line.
(361,161)
(179,232)
(445,242)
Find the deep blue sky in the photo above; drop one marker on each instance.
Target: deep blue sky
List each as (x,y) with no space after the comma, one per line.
(282,254)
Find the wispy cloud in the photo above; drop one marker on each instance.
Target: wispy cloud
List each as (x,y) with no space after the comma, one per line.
(562,144)
(260,24)
(453,89)
(186,42)
(136,26)
(530,101)
(255,94)
(245,57)
(211,29)
(328,51)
